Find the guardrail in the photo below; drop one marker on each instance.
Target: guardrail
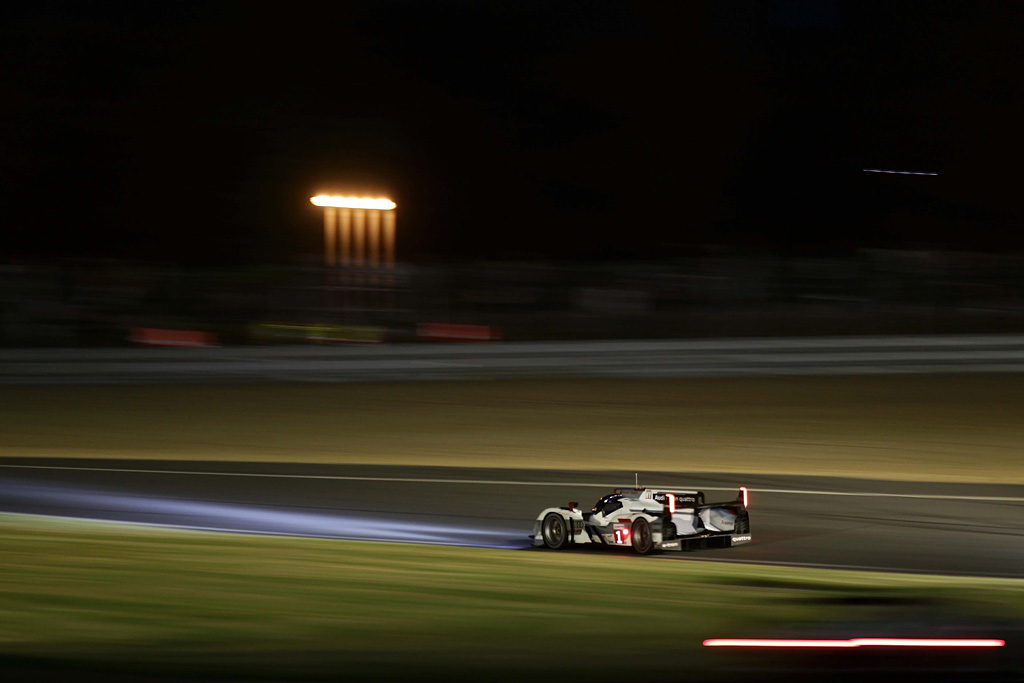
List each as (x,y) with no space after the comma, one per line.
(670,358)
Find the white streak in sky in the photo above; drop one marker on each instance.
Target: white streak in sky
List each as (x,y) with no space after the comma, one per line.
(881,170)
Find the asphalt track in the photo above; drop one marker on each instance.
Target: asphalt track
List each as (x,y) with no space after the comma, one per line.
(966,529)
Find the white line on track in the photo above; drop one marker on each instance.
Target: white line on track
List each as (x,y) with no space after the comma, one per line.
(500,482)
(870,494)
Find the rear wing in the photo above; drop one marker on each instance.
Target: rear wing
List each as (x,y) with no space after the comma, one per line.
(695,499)
(742,499)
(682,498)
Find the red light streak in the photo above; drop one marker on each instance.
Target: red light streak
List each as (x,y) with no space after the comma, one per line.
(856,642)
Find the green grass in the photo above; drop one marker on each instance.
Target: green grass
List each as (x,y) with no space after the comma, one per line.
(940,427)
(141,599)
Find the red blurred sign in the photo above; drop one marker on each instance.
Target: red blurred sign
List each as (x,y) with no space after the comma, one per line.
(457,332)
(150,336)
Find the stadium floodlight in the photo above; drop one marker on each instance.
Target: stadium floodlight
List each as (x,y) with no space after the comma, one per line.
(352,202)
(346,220)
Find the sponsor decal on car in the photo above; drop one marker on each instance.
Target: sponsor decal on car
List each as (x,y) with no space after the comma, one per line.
(740,539)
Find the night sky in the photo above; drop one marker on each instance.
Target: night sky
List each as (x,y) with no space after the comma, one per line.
(196,132)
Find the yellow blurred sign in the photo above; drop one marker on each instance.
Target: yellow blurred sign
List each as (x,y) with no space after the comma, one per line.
(292,333)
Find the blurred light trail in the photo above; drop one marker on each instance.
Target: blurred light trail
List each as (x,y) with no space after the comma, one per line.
(882,170)
(82,503)
(353,202)
(855,642)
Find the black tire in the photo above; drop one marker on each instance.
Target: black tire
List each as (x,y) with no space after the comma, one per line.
(554,530)
(643,541)
(742,524)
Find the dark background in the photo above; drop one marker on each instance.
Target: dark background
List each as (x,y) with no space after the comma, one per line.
(196,132)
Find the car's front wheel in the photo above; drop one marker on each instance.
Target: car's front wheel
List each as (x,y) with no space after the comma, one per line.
(641,535)
(554,531)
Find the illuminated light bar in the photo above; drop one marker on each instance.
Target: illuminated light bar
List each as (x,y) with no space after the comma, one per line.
(746,496)
(352,202)
(856,642)
(930,642)
(882,170)
(671,501)
(753,642)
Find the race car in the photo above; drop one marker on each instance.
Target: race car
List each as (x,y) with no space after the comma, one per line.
(648,520)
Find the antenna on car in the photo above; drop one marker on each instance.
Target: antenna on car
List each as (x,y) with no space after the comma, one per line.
(636,479)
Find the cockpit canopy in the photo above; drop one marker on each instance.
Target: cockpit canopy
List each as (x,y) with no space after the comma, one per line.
(609,503)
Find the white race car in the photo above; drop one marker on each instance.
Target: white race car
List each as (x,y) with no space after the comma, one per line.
(647,520)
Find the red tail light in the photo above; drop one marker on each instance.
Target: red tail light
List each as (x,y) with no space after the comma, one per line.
(745,496)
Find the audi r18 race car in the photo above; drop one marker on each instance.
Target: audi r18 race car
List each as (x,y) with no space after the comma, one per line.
(647,520)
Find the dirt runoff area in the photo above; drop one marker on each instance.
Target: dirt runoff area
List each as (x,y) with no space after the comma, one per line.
(953,427)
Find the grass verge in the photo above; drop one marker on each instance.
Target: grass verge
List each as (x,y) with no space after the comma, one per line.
(919,427)
(113,598)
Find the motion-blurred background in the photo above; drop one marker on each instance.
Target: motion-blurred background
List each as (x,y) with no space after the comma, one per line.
(595,170)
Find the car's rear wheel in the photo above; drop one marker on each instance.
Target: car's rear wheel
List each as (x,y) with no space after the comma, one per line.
(554,531)
(641,535)
(742,524)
